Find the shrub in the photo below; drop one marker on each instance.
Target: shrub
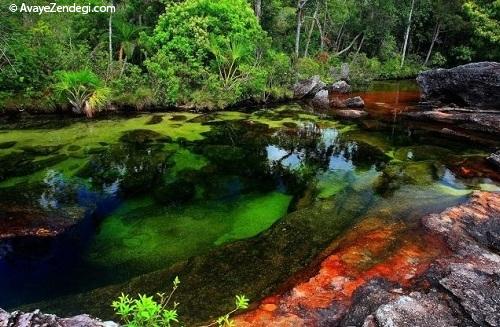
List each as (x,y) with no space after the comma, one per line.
(83,89)
(145,311)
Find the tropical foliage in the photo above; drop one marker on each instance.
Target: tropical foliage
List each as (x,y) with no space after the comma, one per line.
(214,54)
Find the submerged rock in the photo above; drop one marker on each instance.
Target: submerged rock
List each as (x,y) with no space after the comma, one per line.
(36,318)
(475,85)
(308,88)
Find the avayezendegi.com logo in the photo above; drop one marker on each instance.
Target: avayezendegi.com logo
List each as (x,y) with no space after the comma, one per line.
(55,8)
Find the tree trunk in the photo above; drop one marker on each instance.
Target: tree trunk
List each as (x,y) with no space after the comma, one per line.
(359,47)
(313,21)
(339,37)
(120,54)
(258,9)
(349,46)
(321,36)
(110,39)
(407,35)
(299,27)
(437,30)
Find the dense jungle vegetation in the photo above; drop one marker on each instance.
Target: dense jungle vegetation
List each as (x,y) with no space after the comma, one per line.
(218,53)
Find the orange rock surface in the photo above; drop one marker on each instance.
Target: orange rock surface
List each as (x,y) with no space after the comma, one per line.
(374,248)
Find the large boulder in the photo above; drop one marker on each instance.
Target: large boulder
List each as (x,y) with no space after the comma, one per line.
(321,99)
(474,85)
(308,87)
(472,273)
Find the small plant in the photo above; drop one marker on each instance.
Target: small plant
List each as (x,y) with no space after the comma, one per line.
(83,89)
(145,311)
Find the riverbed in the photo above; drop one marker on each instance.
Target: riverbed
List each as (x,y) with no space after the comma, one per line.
(236,202)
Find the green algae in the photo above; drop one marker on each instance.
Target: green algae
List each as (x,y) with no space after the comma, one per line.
(185,159)
(255,215)
(90,133)
(141,236)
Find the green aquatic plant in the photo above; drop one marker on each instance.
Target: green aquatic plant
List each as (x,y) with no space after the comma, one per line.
(145,311)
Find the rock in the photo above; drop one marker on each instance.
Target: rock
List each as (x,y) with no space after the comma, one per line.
(356,102)
(477,291)
(472,273)
(36,318)
(321,99)
(469,120)
(416,309)
(351,113)
(475,85)
(340,87)
(494,159)
(367,299)
(308,88)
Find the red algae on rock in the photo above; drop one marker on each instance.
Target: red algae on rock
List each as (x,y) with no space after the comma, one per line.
(373,249)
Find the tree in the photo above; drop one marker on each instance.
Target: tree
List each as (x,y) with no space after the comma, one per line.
(300,12)
(485,16)
(191,41)
(407,34)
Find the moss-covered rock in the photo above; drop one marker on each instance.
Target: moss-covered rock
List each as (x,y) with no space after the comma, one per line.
(396,175)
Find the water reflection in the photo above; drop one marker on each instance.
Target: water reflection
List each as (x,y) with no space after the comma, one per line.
(153,200)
